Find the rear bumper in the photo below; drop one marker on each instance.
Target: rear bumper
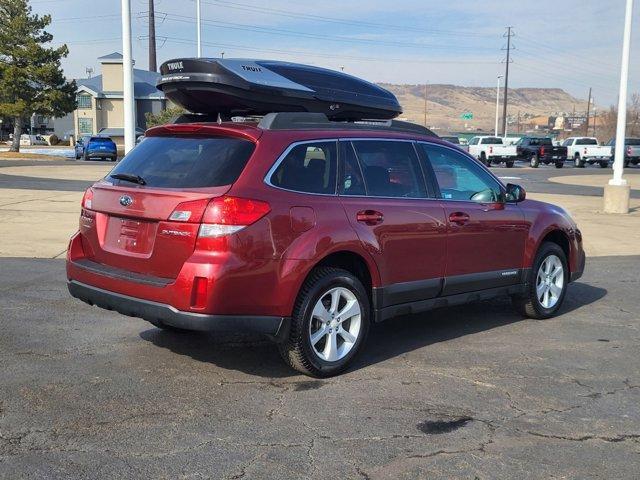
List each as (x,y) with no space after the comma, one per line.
(101,154)
(155,312)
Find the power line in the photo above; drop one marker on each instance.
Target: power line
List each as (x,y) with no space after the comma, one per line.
(341,21)
(334,38)
(289,52)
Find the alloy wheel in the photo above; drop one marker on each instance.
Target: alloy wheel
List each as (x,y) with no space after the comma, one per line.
(550,281)
(335,324)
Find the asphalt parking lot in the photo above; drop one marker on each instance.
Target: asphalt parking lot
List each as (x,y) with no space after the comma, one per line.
(469,392)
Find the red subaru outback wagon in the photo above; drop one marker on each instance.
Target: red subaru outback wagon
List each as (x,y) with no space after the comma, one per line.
(310,231)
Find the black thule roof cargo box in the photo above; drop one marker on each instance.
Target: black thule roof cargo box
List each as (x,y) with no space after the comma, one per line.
(236,87)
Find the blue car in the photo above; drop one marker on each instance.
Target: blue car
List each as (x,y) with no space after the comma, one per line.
(96,147)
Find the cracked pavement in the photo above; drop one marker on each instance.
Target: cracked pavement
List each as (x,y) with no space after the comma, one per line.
(469,392)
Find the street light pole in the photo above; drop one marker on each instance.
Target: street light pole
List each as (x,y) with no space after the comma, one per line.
(616,193)
(199,28)
(497,105)
(127,69)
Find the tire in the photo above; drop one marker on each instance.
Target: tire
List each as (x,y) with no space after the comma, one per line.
(529,304)
(577,161)
(509,163)
(113,159)
(559,164)
(297,350)
(85,157)
(534,161)
(604,164)
(484,160)
(626,164)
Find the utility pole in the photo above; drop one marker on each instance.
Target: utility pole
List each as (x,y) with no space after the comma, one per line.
(425,104)
(509,34)
(152,37)
(127,70)
(198,28)
(518,121)
(497,105)
(586,130)
(617,192)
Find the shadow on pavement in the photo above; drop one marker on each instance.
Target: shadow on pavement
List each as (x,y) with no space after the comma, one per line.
(258,356)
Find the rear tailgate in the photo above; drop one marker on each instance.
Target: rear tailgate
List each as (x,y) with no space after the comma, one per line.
(128,226)
(503,150)
(556,151)
(596,151)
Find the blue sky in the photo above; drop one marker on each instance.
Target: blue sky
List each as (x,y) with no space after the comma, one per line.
(570,44)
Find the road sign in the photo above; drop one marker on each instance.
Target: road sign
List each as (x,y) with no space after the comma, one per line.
(467,116)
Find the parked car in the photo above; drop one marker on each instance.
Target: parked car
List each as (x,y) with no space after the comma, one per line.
(631,150)
(27,140)
(311,234)
(536,150)
(585,150)
(492,150)
(456,141)
(88,147)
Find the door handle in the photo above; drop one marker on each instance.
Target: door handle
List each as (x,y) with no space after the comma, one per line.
(459,218)
(369,217)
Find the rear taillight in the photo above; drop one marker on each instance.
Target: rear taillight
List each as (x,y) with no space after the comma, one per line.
(585,150)
(226,215)
(189,211)
(542,151)
(87,199)
(490,149)
(628,151)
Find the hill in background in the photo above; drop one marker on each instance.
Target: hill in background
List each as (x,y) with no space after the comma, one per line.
(446,103)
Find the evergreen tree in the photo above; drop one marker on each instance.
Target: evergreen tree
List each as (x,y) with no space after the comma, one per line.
(31,78)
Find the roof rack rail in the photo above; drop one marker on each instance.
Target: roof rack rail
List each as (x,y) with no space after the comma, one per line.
(308,120)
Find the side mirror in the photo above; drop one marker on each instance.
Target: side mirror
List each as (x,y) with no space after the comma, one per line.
(515,193)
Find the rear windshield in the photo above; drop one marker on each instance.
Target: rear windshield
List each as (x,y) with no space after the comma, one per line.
(186,162)
(492,141)
(632,141)
(101,140)
(586,141)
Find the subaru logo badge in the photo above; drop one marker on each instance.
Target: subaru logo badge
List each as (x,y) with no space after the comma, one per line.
(126,200)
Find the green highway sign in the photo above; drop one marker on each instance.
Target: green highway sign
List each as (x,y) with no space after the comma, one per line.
(467,116)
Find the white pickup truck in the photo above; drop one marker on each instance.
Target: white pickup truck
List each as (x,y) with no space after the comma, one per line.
(492,150)
(585,150)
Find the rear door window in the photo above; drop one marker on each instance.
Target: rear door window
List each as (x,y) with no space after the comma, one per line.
(390,168)
(187,162)
(308,167)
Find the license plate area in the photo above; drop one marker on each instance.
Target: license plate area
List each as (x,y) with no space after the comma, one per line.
(130,236)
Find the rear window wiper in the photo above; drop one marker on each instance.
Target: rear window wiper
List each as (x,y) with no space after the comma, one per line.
(129,177)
